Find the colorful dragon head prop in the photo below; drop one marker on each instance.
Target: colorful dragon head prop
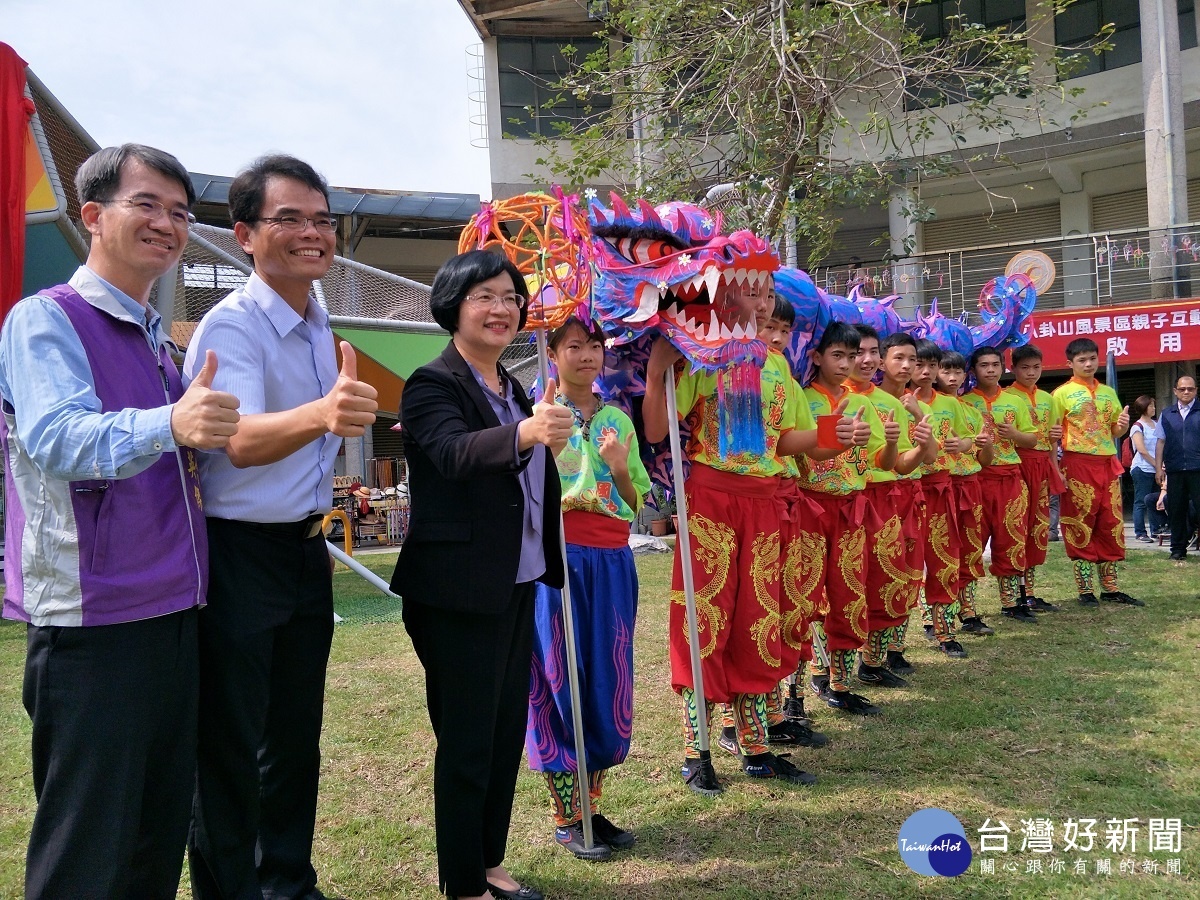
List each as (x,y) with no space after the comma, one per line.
(670,269)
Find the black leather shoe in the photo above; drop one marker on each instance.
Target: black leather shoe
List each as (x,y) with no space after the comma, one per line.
(524,892)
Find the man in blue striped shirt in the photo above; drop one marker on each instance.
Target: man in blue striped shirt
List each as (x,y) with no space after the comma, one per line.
(266,633)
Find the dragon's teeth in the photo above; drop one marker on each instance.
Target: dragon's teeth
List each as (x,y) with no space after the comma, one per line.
(751,331)
(699,333)
(738,332)
(673,310)
(712,280)
(714,324)
(726,334)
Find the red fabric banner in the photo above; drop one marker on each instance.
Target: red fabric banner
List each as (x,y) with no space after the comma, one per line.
(15,111)
(1136,334)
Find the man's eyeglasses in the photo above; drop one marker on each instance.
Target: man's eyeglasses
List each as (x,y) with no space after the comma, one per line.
(324,224)
(152,209)
(1185,390)
(509,301)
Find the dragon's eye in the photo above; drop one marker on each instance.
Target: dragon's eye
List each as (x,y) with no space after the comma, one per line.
(644,250)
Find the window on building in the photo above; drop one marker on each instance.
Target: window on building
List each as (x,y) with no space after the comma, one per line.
(1078,25)
(938,20)
(529,70)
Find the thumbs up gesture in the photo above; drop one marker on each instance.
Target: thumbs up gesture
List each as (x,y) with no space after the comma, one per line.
(204,418)
(891,428)
(349,407)
(550,424)
(923,433)
(862,428)
(614,451)
(1123,420)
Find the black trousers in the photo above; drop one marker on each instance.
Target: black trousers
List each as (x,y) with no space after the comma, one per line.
(477,688)
(114,751)
(1183,494)
(264,645)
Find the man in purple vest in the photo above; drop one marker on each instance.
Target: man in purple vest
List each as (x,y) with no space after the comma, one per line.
(107,556)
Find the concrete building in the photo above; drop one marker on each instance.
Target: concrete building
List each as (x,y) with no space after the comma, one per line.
(1109,201)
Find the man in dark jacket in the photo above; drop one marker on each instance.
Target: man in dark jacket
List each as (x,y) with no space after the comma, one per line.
(1178,456)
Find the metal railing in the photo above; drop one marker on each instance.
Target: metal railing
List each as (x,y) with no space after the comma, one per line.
(1097,269)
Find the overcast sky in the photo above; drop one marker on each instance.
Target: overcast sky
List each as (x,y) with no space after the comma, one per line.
(371,92)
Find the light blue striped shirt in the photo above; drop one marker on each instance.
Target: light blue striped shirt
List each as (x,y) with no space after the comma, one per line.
(272,361)
(46,377)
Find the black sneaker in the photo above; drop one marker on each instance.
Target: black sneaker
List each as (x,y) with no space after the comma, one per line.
(953,649)
(1020,613)
(975,625)
(898,664)
(819,685)
(854,704)
(1037,604)
(879,676)
(1120,597)
(1088,599)
(727,740)
(788,732)
(793,711)
(701,777)
(1055,536)
(930,635)
(571,837)
(768,765)
(617,838)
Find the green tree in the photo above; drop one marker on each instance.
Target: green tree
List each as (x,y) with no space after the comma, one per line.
(801,108)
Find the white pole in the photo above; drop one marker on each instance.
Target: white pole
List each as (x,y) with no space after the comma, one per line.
(683,538)
(359,569)
(568,614)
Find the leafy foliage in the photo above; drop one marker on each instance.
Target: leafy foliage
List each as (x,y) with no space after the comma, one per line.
(801,108)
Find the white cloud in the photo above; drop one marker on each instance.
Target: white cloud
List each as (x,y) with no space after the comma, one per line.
(371,92)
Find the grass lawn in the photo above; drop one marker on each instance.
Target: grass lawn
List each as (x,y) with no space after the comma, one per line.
(1088,714)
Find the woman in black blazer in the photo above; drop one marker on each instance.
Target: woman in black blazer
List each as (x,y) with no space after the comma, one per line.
(484,494)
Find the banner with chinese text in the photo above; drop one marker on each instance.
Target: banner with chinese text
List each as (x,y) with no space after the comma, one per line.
(1136,334)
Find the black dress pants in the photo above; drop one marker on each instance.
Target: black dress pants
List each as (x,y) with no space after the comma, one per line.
(264,645)
(114,751)
(1183,494)
(477,688)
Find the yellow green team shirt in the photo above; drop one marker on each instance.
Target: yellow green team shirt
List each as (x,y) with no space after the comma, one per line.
(885,403)
(696,393)
(586,479)
(949,424)
(1087,414)
(968,463)
(846,472)
(1040,411)
(1007,406)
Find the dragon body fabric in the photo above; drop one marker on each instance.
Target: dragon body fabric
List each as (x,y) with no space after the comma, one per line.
(670,270)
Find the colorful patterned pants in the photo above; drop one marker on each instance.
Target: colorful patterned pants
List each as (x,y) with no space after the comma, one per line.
(802,573)
(733,522)
(1005,516)
(968,499)
(941,549)
(1041,480)
(1093,527)
(604,596)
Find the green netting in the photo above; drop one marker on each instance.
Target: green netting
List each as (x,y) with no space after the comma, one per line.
(361,603)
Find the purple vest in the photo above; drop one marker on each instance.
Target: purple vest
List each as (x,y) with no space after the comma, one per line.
(141,541)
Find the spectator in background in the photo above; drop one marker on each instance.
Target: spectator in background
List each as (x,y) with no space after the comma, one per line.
(1177,454)
(1144,439)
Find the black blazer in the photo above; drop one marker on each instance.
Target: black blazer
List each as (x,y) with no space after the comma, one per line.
(464,540)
